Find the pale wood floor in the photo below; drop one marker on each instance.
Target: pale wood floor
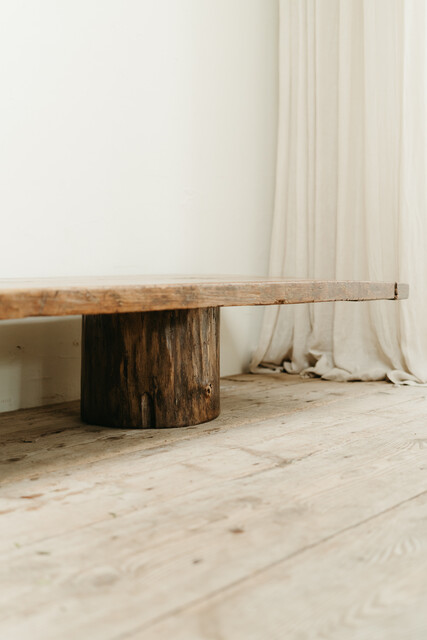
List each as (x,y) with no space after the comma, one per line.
(300,513)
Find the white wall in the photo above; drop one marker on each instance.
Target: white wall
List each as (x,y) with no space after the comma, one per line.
(135,137)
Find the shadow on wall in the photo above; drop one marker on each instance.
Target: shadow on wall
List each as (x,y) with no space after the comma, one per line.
(240,328)
(40,357)
(39,362)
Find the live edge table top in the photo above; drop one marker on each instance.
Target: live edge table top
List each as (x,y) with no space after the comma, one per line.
(65,296)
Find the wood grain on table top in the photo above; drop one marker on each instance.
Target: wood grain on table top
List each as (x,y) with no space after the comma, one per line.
(82,295)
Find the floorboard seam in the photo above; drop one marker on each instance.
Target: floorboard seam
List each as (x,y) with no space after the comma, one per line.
(267,567)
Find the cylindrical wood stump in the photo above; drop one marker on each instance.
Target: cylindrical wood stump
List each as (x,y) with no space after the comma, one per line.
(150,370)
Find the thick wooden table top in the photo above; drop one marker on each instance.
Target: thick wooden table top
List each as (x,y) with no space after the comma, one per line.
(21,298)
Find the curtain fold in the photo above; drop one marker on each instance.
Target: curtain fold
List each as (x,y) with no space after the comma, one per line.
(351,187)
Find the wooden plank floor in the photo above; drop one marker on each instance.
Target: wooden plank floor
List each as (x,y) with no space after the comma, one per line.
(301,512)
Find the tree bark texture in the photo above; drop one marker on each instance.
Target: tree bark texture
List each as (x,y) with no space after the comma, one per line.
(151,370)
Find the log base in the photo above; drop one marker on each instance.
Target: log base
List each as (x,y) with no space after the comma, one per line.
(156,369)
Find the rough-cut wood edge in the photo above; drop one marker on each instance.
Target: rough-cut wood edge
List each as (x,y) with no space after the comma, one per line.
(85,296)
(401,291)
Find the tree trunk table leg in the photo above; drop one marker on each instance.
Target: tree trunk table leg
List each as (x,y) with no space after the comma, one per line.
(153,369)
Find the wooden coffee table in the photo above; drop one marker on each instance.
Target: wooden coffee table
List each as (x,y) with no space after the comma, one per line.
(150,344)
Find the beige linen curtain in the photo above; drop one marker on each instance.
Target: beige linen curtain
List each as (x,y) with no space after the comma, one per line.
(351,187)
